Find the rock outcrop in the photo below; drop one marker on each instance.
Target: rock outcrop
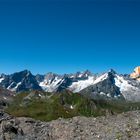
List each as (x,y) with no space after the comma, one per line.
(124,126)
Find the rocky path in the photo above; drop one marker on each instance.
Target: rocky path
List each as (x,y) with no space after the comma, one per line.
(124,126)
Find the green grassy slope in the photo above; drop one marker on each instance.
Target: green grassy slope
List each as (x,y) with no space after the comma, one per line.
(65,105)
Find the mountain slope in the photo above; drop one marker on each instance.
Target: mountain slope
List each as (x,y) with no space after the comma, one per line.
(113,85)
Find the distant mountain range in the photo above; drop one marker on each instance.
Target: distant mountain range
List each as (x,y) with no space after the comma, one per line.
(107,85)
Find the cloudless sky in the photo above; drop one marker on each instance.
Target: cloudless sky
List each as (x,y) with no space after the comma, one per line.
(65,36)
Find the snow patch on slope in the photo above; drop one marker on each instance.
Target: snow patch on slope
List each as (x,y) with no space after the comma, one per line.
(15,88)
(1,79)
(17,85)
(101,78)
(123,84)
(9,87)
(81,84)
(130,92)
(49,86)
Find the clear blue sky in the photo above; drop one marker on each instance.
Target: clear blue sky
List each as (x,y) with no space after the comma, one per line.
(69,35)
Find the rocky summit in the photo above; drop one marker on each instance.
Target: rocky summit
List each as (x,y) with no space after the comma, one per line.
(125,126)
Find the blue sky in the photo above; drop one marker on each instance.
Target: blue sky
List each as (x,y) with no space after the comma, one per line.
(69,35)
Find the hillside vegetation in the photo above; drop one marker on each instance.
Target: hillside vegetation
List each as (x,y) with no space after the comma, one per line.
(48,106)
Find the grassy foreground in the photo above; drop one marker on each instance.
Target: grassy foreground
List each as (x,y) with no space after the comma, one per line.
(46,107)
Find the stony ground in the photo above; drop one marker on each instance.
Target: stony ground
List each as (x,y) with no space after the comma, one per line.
(124,126)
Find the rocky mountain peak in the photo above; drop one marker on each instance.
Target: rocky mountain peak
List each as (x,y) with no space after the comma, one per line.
(2,75)
(25,72)
(20,81)
(87,73)
(112,71)
(39,78)
(81,75)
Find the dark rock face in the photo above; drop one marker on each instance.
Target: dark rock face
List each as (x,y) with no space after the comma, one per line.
(39,77)
(115,127)
(66,82)
(20,81)
(28,83)
(50,77)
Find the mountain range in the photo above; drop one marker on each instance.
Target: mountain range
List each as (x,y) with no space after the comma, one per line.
(109,85)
